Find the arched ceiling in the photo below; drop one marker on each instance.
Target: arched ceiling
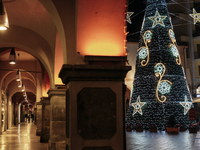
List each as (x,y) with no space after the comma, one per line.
(32,15)
(31,31)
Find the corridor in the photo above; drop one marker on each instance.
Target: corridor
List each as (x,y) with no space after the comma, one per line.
(21,137)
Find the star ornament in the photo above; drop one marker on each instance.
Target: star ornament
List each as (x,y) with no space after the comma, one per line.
(186,105)
(137,106)
(128,17)
(195,16)
(157,19)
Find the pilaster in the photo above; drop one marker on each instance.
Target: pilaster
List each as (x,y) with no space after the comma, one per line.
(45,129)
(94,103)
(39,118)
(57,118)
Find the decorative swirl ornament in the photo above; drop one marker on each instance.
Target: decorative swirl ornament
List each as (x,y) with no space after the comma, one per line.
(143,51)
(173,47)
(163,86)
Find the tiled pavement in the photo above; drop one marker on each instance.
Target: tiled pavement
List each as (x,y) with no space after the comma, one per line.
(162,141)
(21,137)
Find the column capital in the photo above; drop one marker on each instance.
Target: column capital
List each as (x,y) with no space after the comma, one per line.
(97,68)
(58,90)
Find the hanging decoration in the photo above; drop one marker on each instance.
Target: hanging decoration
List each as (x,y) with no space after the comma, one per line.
(163,86)
(143,51)
(137,106)
(157,19)
(195,16)
(128,17)
(187,105)
(173,48)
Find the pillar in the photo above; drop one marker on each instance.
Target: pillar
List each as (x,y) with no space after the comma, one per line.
(57,118)
(45,129)
(94,103)
(39,118)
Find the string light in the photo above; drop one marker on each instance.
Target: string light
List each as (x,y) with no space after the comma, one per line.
(173,50)
(195,16)
(128,15)
(187,105)
(137,106)
(157,19)
(160,83)
(143,51)
(172,35)
(163,86)
(173,47)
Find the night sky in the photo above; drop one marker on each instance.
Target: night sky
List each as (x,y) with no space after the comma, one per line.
(138,7)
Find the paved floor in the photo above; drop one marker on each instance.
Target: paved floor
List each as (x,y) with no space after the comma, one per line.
(21,137)
(162,141)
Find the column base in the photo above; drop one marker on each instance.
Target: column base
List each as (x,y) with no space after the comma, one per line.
(38,133)
(57,145)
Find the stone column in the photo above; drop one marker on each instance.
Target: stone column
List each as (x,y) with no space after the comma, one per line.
(45,132)
(94,103)
(35,115)
(39,118)
(57,118)
(191,48)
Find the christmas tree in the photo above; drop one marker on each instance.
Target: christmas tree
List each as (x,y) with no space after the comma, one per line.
(160,88)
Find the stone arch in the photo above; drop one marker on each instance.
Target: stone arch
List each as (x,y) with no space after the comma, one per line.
(11,76)
(65,22)
(31,42)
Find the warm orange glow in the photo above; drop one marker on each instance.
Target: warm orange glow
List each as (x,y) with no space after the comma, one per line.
(45,84)
(58,60)
(44,92)
(103,48)
(100,27)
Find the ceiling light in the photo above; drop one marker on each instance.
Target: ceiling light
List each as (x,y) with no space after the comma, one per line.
(18,76)
(4,25)
(20,84)
(23,88)
(12,57)
(24,93)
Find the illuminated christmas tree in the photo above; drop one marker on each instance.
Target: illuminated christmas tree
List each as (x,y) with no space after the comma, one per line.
(160,88)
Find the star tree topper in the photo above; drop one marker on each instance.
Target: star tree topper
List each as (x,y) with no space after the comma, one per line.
(128,15)
(186,105)
(137,106)
(157,19)
(195,16)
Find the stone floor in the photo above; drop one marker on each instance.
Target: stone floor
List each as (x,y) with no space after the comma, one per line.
(162,141)
(21,137)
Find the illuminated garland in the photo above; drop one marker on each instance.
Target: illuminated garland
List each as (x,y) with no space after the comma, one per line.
(173,47)
(143,52)
(163,86)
